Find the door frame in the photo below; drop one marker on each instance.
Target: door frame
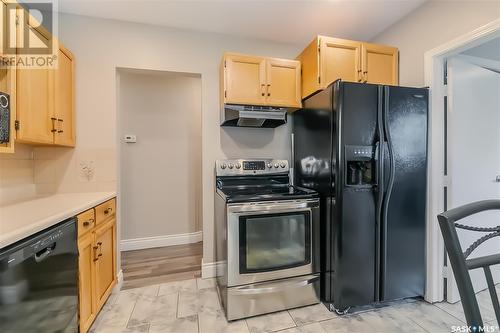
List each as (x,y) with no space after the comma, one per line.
(434,68)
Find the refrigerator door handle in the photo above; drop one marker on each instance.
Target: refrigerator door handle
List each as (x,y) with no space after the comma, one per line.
(388,191)
(379,169)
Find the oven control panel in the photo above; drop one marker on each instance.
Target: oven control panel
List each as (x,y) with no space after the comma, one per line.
(242,167)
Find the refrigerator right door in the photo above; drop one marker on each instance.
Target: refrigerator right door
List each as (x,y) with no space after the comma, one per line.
(404,201)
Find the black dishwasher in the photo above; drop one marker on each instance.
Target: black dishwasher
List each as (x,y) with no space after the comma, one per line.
(39,282)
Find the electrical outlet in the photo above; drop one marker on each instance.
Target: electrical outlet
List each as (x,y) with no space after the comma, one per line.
(86,171)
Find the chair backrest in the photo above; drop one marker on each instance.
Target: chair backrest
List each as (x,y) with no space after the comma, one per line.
(458,259)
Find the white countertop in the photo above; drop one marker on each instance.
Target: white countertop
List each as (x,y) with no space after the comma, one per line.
(26,218)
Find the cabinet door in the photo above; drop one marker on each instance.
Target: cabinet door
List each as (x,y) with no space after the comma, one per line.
(7,84)
(35,100)
(87,255)
(64,99)
(283,82)
(34,106)
(105,265)
(309,64)
(339,59)
(380,64)
(244,80)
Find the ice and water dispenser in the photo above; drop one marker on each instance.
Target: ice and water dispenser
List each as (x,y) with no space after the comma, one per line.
(360,166)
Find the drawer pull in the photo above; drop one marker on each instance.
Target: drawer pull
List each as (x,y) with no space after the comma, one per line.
(108,210)
(87,223)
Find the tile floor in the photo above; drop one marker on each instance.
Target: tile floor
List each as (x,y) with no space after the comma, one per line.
(192,306)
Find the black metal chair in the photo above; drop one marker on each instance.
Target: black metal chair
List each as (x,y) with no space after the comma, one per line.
(461,265)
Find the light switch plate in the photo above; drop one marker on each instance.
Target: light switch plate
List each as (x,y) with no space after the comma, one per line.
(130,138)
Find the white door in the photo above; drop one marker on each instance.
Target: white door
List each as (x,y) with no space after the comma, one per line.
(473,155)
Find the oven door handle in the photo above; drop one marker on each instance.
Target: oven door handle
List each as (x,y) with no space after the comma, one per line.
(249,290)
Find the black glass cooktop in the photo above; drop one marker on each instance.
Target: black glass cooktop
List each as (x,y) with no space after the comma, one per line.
(263,193)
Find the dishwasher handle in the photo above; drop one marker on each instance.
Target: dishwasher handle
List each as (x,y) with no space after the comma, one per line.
(44,253)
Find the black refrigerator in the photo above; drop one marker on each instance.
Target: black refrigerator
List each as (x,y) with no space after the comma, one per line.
(363,147)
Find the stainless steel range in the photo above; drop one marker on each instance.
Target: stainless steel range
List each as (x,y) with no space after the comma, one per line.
(267,239)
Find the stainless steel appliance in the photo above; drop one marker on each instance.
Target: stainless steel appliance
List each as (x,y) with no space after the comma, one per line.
(363,147)
(39,282)
(267,239)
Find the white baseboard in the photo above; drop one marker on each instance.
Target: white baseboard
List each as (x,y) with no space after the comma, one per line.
(119,281)
(209,269)
(159,241)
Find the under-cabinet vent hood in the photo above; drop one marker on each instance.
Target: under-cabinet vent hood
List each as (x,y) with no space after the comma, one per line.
(253,116)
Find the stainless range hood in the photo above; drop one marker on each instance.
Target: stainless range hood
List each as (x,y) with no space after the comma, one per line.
(253,116)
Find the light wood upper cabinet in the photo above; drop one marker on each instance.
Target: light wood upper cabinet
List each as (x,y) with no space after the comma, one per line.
(7,84)
(45,103)
(42,100)
(283,82)
(244,79)
(64,98)
(327,59)
(380,64)
(253,80)
(35,95)
(339,59)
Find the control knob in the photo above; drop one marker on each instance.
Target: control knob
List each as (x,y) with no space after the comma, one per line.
(276,165)
(269,165)
(238,166)
(230,166)
(223,166)
(282,164)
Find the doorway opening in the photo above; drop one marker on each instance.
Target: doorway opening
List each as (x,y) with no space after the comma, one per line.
(159,191)
(464,145)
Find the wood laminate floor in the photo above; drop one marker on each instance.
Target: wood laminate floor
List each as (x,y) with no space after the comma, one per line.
(159,265)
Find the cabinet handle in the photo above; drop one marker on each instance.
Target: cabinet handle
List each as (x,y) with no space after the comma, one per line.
(365,76)
(96,257)
(268,88)
(108,210)
(100,249)
(60,121)
(262,89)
(87,223)
(53,130)
(359,75)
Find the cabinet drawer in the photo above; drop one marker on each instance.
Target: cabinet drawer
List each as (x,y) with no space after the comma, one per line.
(86,221)
(105,211)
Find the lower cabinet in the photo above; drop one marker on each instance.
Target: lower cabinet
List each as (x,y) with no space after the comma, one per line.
(97,263)
(86,281)
(105,262)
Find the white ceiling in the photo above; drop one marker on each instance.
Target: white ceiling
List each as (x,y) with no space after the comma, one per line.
(489,50)
(277,20)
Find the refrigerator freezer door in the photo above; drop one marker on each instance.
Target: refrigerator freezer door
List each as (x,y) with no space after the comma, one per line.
(313,137)
(354,220)
(403,220)
(312,127)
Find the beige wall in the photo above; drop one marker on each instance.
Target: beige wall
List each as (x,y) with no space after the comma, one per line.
(17,175)
(100,46)
(160,174)
(433,24)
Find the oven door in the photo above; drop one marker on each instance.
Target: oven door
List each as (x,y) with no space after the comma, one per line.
(272,240)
